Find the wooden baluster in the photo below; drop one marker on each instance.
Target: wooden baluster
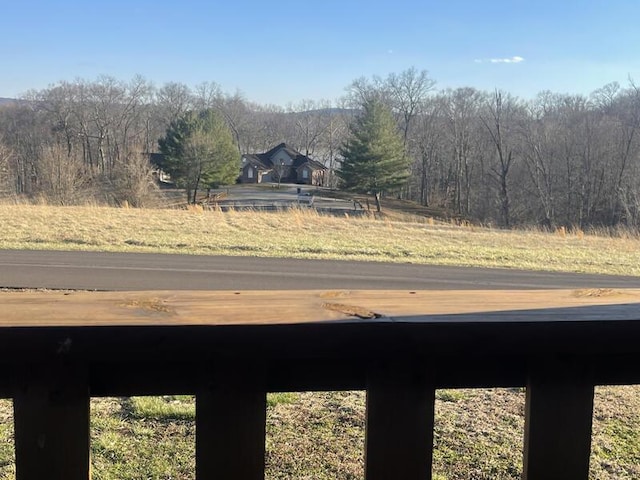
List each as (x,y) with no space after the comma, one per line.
(399,436)
(51,415)
(230,426)
(558,418)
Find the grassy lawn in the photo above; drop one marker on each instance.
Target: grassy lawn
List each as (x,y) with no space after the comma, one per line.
(320,435)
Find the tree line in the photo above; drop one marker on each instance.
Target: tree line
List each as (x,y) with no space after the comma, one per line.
(556,159)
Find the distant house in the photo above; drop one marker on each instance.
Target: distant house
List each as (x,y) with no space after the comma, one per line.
(282,164)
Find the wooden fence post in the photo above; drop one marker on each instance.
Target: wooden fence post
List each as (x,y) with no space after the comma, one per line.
(399,435)
(230,426)
(558,418)
(51,415)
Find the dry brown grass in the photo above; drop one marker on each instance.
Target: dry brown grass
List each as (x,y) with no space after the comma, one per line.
(306,234)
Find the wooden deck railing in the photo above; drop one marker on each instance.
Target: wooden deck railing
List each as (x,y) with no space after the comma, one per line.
(230,348)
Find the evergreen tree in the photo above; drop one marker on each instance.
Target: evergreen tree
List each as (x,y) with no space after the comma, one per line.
(374,159)
(199,151)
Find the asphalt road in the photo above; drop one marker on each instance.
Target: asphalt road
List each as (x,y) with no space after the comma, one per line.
(133,271)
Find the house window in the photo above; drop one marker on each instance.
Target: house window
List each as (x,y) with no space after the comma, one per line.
(250,172)
(305,174)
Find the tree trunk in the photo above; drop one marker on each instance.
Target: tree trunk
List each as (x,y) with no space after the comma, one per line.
(195,193)
(378,206)
(504,197)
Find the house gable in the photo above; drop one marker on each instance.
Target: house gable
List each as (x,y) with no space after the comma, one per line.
(282,155)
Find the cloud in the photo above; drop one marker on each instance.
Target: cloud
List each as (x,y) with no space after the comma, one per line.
(507,60)
(515,59)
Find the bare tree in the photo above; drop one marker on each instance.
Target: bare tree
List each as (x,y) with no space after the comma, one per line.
(337,128)
(408,91)
(6,159)
(363,90)
(461,107)
(605,97)
(540,157)
(280,172)
(309,120)
(173,100)
(62,179)
(240,116)
(626,133)
(207,95)
(23,133)
(429,144)
(502,111)
(273,126)
(134,182)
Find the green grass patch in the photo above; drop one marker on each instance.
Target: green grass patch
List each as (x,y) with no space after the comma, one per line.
(129,447)
(166,407)
(615,449)
(450,395)
(7,453)
(627,443)
(281,398)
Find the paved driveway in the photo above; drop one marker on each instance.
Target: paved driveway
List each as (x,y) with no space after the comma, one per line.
(287,195)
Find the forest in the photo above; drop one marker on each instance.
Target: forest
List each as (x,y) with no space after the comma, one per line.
(554,160)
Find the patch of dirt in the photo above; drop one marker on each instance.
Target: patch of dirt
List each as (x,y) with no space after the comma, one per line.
(353,310)
(150,304)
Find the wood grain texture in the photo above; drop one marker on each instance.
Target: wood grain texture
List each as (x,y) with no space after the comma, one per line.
(160,308)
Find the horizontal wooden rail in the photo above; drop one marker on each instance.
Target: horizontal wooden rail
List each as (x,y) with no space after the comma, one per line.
(230,348)
(218,308)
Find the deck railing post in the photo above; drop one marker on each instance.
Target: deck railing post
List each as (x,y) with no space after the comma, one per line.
(51,415)
(558,418)
(231,425)
(399,430)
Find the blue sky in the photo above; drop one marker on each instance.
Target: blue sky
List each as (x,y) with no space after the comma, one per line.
(283,51)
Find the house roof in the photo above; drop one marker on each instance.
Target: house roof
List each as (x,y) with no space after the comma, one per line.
(256,161)
(313,165)
(292,152)
(265,159)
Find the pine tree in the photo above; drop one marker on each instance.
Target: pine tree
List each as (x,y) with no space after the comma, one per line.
(373,157)
(198,150)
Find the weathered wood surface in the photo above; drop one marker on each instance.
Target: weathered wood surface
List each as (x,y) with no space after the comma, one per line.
(72,309)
